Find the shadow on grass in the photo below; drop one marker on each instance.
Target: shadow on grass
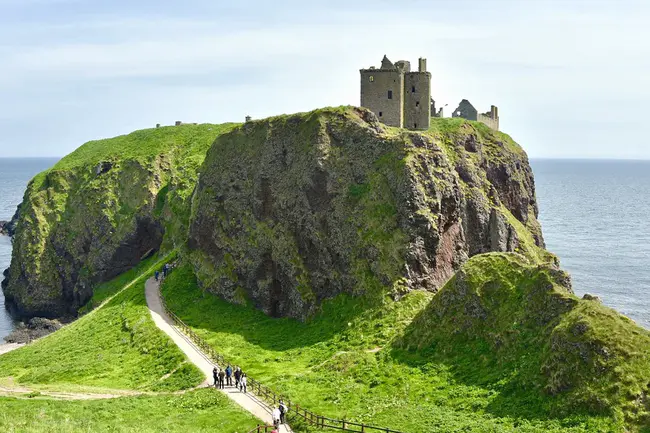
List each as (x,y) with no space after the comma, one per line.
(205,311)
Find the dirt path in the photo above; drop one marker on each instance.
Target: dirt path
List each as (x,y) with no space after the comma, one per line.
(20,391)
(247,401)
(8,347)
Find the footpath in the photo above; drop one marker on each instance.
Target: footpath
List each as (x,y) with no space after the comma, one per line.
(162,320)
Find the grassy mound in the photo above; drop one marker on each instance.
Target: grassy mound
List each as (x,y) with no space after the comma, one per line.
(402,365)
(116,346)
(200,411)
(519,329)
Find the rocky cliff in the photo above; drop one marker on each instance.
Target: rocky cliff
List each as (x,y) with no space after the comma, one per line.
(98,212)
(288,211)
(295,209)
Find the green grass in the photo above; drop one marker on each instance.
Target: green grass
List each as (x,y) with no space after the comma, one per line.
(197,411)
(330,366)
(115,346)
(142,144)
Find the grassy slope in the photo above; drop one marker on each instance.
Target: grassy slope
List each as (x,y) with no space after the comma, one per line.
(329,365)
(116,346)
(200,411)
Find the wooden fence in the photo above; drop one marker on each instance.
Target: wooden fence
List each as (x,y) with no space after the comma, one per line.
(268,395)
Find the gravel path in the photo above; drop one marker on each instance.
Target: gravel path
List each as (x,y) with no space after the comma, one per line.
(248,401)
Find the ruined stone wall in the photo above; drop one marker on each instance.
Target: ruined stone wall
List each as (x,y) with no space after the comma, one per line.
(487,120)
(465,110)
(375,87)
(417,97)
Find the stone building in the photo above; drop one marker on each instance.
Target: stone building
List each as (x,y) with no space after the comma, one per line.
(398,96)
(467,111)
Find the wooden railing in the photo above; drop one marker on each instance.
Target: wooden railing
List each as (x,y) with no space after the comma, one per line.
(262,429)
(267,394)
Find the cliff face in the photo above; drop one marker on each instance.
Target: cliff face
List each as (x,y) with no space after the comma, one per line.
(295,209)
(98,212)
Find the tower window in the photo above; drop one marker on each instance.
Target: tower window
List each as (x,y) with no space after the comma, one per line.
(380,113)
(412,89)
(390,94)
(415,125)
(417,103)
(371,78)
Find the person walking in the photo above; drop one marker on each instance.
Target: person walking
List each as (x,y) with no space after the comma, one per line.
(222,374)
(215,376)
(243,381)
(156,275)
(283,412)
(237,376)
(276,417)
(229,375)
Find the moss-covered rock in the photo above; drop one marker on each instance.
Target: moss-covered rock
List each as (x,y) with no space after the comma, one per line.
(295,209)
(99,211)
(506,323)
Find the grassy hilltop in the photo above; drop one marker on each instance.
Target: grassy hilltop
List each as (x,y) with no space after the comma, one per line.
(393,277)
(99,211)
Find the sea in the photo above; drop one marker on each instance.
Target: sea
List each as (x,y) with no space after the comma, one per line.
(595,216)
(15,173)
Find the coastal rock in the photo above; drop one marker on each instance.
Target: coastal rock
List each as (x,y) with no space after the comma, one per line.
(100,211)
(36,327)
(293,210)
(589,297)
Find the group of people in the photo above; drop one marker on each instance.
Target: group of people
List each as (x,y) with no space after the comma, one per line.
(223,377)
(165,270)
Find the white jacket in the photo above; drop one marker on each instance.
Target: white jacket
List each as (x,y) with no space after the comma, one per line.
(276,414)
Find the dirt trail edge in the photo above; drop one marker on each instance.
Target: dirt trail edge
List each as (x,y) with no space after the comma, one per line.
(247,401)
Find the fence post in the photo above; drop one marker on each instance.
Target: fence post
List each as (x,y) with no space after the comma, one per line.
(363,428)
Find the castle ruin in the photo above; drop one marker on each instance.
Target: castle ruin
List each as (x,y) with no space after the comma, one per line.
(396,95)
(402,98)
(467,111)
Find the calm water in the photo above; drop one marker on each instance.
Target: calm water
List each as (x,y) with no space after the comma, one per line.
(14,175)
(595,217)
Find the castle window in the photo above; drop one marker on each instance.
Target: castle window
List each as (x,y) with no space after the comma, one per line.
(390,94)
(415,125)
(371,78)
(417,103)
(380,113)
(412,89)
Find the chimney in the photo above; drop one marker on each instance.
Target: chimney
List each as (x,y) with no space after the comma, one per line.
(422,64)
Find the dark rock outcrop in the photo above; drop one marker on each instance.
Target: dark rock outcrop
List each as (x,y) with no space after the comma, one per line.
(36,327)
(296,209)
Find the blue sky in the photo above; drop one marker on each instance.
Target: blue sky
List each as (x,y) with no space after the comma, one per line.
(571,78)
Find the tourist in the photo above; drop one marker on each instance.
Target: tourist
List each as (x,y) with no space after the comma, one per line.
(229,375)
(221,376)
(156,275)
(283,412)
(164,270)
(276,417)
(237,376)
(242,382)
(215,376)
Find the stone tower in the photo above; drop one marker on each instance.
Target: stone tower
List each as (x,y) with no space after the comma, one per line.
(396,95)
